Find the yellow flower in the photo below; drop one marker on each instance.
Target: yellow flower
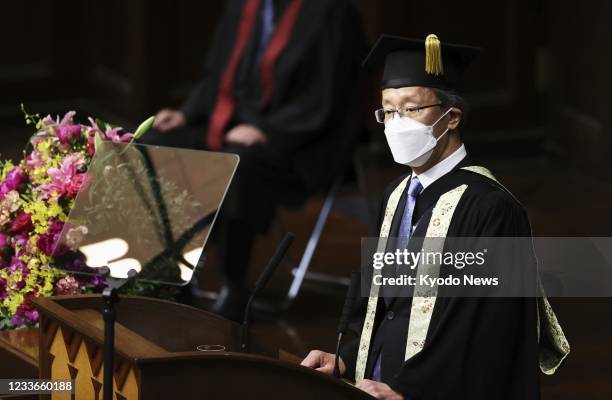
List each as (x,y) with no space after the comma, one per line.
(39,212)
(31,282)
(43,146)
(13,302)
(14,278)
(49,279)
(54,209)
(7,167)
(34,263)
(39,176)
(32,244)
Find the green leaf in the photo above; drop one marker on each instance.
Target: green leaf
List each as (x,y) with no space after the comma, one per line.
(97,141)
(101,124)
(5,323)
(143,128)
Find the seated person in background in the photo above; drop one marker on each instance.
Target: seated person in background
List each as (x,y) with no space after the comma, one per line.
(430,347)
(280,90)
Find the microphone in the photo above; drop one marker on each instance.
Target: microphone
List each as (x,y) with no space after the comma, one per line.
(261,282)
(349,303)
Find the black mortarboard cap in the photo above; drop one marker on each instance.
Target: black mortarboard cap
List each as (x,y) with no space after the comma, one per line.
(414,62)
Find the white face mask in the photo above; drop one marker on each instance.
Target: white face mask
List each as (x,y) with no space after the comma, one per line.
(411,142)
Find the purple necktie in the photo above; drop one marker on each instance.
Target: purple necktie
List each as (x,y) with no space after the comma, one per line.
(405,229)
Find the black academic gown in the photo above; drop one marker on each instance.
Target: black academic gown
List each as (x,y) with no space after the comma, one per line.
(313,118)
(311,122)
(476,348)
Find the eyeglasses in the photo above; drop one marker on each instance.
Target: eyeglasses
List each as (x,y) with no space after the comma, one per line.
(384,114)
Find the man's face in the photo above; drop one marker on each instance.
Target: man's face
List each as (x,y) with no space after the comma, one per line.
(409,97)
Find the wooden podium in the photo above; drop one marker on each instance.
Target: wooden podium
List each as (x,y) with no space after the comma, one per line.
(156,356)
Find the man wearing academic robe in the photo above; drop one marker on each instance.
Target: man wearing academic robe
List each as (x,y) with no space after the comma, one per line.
(280,90)
(442,347)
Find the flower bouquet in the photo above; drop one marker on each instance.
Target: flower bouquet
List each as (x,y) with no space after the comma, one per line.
(36,196)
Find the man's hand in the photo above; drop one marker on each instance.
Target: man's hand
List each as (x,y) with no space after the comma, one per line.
(324,362)
(245,135)
(379,390)
(167,119)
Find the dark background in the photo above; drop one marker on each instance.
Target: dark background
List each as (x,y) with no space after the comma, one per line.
(539,86)
(540,120)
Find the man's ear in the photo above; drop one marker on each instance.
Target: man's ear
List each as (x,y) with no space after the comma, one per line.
(455,118)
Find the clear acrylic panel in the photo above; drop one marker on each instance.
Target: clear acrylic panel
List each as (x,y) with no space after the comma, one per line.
(146,208)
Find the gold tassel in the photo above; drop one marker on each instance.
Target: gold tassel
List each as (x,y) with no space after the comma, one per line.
(433,55)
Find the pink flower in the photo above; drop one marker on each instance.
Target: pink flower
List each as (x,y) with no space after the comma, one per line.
(8,205)
(69,133)
(64,180)
(48,121)
(94,126)
(113,135)
(77,183)
(47,243)
(91,147)
(32,315)
(91,135)
(22,223)
(66,120)
(14,179)
(26,314)
(16,264)
(67,286)
(37,138)
(4,241)
(34,160)
(63,131)
(55,228)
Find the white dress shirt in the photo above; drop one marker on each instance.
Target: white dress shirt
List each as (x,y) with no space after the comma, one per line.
(442,168)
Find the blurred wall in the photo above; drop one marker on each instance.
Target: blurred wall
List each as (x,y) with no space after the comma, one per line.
(580,58)
(538,87)
(123,59)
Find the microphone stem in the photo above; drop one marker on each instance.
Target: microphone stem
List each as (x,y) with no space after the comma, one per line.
(259,285)
(244,342)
